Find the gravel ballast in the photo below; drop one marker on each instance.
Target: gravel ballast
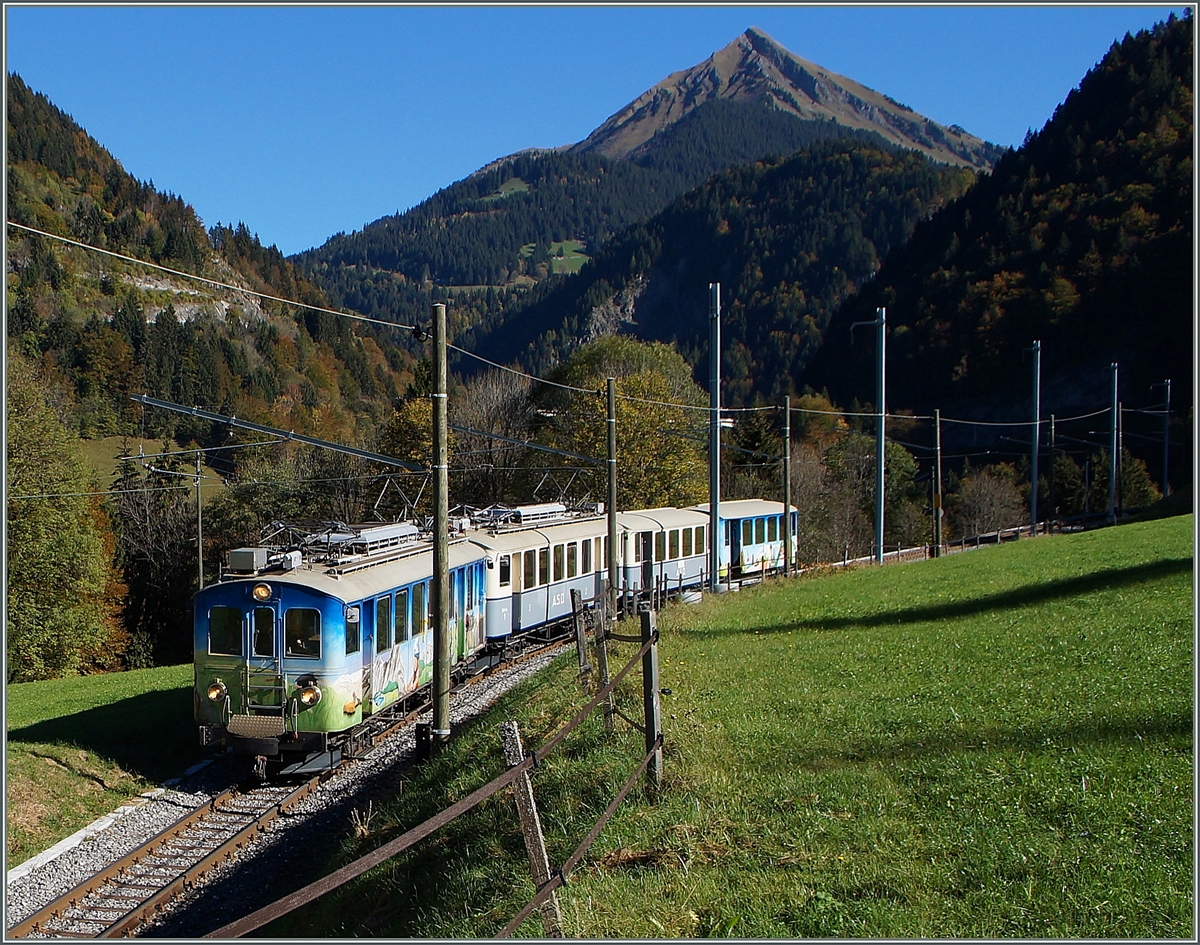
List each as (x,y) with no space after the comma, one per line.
(256,878)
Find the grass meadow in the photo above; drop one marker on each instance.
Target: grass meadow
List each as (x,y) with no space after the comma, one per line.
(997,743)
(77,748)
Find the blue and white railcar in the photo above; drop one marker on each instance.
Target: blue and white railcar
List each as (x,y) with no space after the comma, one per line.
(663,547)
(751,533)
(532,569)
(293,650)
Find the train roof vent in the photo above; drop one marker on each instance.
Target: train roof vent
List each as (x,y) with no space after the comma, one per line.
(527,514)
(367,539)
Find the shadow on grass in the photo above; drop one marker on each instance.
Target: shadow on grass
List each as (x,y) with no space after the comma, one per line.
(1028,595)
(151,734)
(946,742)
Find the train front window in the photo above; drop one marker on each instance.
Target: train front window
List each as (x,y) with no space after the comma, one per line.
(383,624)
(302,631)
(264,631)
(225,631)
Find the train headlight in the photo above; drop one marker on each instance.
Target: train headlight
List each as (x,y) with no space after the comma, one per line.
(216,691)
(309,695)
(261,592)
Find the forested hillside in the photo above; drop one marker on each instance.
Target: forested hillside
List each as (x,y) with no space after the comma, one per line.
(1082,239)
(498,227)
(107,328)
(788,239)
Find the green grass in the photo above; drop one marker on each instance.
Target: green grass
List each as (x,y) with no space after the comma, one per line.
(572,259)
(514,185)
(77,748)
(102,454)
(996,743)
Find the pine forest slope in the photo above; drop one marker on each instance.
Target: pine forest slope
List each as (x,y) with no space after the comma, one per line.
(500,226)
(107,328)
(788,239)
(1082,239)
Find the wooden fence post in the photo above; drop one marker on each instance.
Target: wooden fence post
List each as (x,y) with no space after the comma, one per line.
(579,615)
(650,699)
(531,827)
(601,629)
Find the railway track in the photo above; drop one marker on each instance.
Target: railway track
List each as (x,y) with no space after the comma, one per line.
(139,887)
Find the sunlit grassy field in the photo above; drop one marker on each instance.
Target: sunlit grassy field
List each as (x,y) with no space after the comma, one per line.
(77,748)
(996,743)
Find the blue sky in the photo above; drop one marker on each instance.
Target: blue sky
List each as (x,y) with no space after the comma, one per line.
(306,121)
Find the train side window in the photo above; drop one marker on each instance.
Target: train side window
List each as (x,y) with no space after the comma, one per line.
(264,631)
(674,548)
(353,630)
(728,532)
(660,546)
(530,569)
(403,620)
(418,608)
(428,606)
(225,631)
(700,539)
(505,570)
(559,562)
(572,559)
(302,631)
(383,624)
(543,566)
(585,552)
(687,542)
(760,531)
(773,528)
(748,531)
(603,557)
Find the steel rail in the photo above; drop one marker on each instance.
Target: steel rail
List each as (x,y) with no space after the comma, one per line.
(110,884)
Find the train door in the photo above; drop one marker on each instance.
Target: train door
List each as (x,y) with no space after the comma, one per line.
(458,633)
(733,532)
(367,625)
(264,684)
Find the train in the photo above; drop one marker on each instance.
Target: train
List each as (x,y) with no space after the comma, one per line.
(320,628)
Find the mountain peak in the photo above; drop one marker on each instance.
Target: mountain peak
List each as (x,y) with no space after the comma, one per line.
(754,69)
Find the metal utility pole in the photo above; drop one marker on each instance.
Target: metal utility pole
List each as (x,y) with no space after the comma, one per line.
(787,486)
(1053,495)
(1112,460)
(613,583)
(441,538)
(1166,489)
(714,433)
(1037,430)
(937,476)
(199,525)
(880,324)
